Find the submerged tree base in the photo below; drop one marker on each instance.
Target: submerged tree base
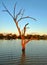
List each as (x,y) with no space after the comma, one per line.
(23,50)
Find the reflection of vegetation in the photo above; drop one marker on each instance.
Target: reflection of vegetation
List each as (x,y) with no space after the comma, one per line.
(14,36)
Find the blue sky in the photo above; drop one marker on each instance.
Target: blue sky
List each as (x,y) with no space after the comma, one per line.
(33,8)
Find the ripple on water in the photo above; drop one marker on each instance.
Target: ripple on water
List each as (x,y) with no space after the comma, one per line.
(10,53)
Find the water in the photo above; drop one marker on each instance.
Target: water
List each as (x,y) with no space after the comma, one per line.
(11,54)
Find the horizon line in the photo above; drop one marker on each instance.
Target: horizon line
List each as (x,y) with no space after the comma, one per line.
(26,34)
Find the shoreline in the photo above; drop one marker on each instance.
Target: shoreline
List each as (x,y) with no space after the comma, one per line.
(14,36)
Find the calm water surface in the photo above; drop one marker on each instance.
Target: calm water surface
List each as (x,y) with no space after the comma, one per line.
(11,54)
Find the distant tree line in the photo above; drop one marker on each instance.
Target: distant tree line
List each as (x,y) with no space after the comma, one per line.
(14,36)
(8,36)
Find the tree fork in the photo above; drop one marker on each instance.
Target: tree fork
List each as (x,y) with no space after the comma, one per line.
(16,20)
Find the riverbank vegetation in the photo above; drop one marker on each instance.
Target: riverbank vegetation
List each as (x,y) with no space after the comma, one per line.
(11,36)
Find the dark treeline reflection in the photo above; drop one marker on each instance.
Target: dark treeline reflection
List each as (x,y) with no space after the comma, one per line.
(14,36)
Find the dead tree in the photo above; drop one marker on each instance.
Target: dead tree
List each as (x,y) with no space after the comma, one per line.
(16,20)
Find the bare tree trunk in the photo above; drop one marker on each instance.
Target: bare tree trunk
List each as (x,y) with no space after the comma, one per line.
(18,28)
(16,20)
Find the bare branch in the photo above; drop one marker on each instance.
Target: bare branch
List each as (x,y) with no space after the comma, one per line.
(22,13)
(18,13)
(14,9)
(26,24)
(27,40)
(26,17)
(7,10)
(4,10)
(25,28)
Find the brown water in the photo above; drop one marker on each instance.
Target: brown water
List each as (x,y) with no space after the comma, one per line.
(11,54)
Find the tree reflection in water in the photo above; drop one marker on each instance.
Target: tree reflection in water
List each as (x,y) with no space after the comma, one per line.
(23,56)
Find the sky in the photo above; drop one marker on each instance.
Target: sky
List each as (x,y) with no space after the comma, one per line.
(33,8)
